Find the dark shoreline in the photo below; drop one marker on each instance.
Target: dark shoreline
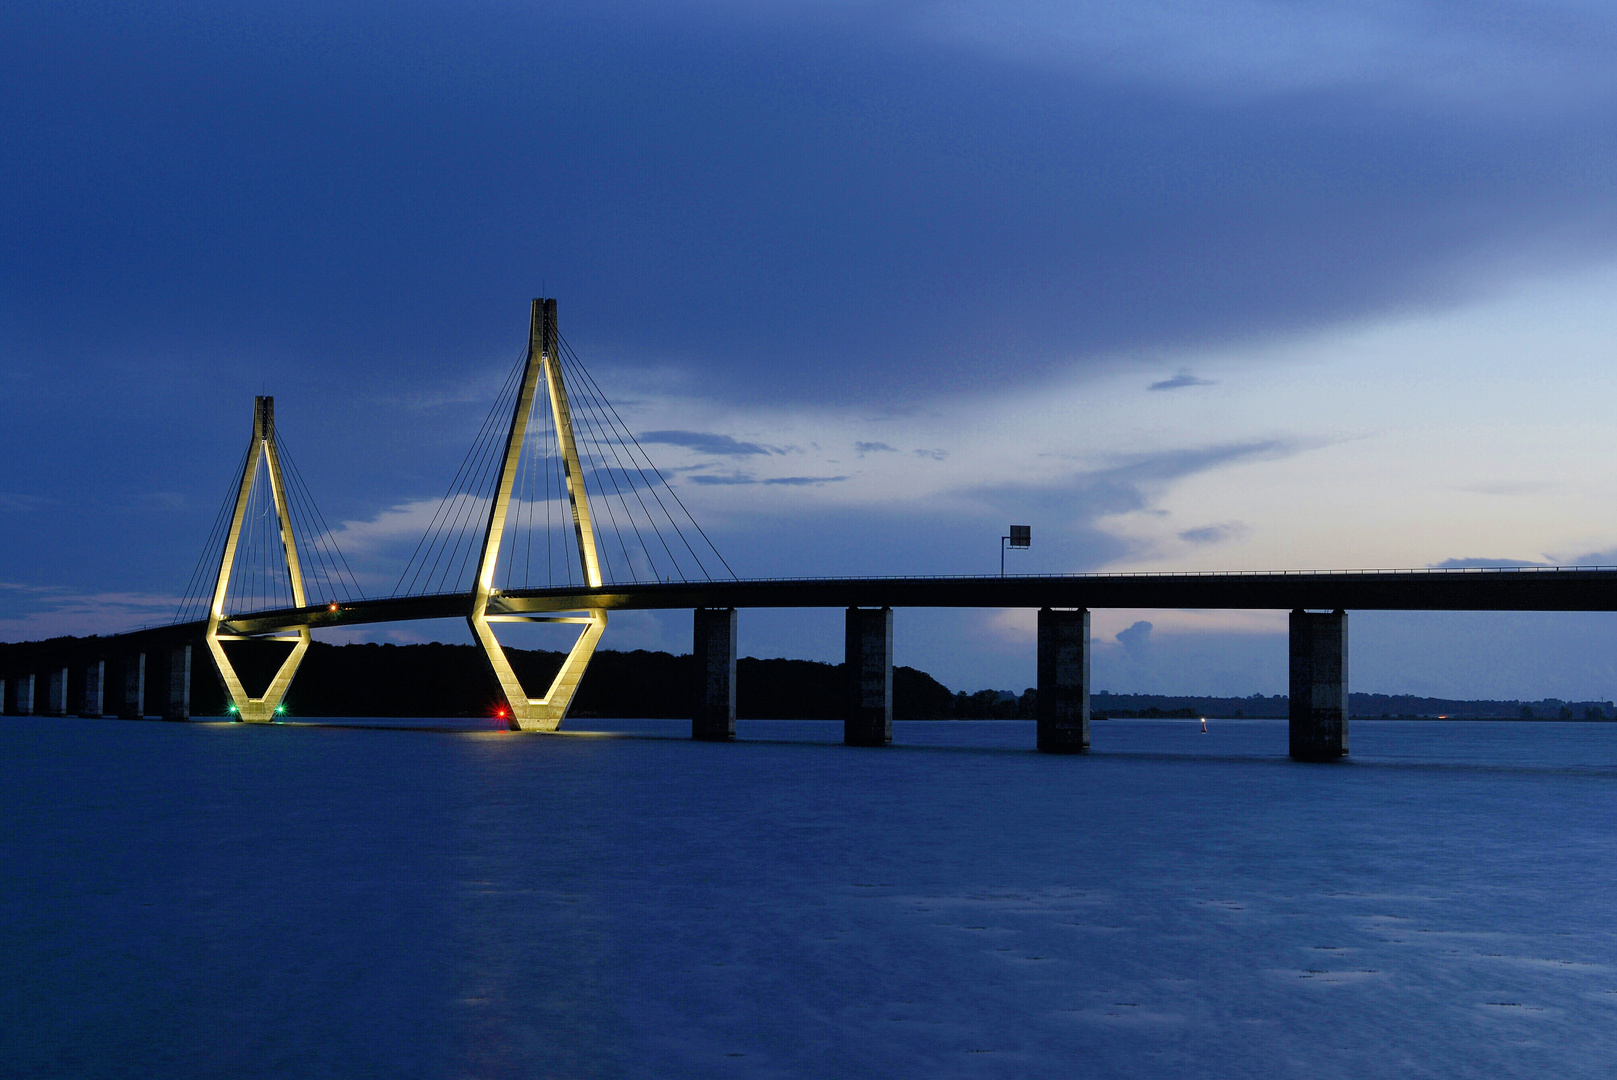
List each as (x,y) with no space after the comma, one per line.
(428,680)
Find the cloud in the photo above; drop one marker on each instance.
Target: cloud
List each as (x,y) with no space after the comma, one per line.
(1467,563)
(722,480)
(934,455)
(805,481)
(1136,637)
(707,443)
(754,164)
(1183,379)
(1129,482)
(1211,534)
(164,501)
(1450,55)
(863,448)
(1506,487)
(734,479)
(405,523)
(37,612)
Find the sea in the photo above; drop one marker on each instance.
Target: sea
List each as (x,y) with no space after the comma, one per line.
(445,899)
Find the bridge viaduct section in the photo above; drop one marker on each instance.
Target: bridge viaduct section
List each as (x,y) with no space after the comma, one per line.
(147,673)
(123,676)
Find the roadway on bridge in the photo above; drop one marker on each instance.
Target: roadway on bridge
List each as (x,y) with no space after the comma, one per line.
(1504,589)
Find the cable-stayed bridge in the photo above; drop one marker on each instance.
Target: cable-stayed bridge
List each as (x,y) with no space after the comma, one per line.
(557,515)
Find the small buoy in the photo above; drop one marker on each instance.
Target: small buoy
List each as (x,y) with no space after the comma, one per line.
(1204,725)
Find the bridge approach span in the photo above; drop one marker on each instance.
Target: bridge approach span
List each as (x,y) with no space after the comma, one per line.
(1507,589)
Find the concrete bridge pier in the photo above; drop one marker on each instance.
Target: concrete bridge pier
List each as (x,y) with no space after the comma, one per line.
(714,650)
(91,688)
(1062,702)
(177,702)
(56,691)
(868,678)
(19,700)
(1319,685)
(129,700)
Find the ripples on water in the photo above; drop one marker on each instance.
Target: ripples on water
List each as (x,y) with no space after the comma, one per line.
(212,900)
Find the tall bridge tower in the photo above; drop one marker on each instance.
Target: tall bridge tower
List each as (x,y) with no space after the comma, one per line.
(542,364)
(543,713)
(262,448)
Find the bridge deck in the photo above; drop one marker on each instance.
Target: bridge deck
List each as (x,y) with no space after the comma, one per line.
(1509,589)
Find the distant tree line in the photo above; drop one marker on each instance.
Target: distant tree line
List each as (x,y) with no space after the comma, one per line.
(454,680)
(1365,706)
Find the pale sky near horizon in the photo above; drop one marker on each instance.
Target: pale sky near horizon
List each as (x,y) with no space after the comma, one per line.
(1184,286)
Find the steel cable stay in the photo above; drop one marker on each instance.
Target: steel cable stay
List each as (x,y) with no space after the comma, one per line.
(516,541)
(466,529)
(341,573)
(520,495)
(319,568)
(600,463)
(622,437)
(258,578)
(212,548)
(538,461)
(460,506)
(623,427)
(594,395)
(246,575)
(244,589)
(433,533)
(314,544)
(552,456)
(469,532)
(595,426)
(634,499)
(588,411)
(595,422)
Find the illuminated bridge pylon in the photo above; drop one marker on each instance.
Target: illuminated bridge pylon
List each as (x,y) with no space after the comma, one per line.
(261,450)
(543,361)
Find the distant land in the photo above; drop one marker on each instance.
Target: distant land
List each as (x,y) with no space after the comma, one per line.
(453,681)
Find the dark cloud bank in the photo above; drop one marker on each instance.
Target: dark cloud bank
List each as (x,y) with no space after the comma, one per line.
(833,206)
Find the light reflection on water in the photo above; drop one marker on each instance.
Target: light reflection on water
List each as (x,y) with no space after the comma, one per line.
(206,899)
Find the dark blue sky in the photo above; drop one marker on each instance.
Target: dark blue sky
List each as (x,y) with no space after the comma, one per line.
(854,209)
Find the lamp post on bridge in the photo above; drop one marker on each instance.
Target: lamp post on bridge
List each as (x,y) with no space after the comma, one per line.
(1021,538)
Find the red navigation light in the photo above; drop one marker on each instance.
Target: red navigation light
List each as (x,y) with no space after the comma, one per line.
(499,714)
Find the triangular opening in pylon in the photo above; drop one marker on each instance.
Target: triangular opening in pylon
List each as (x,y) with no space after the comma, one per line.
(256,662)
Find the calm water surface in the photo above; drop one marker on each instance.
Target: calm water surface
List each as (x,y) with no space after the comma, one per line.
(188,900)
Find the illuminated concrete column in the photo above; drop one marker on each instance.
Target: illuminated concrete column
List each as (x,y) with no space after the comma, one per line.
(868,678)
(131,686)
(56,691)
(90,690)
(1319,685)
(1063,693)
(714,652)
(177,705)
